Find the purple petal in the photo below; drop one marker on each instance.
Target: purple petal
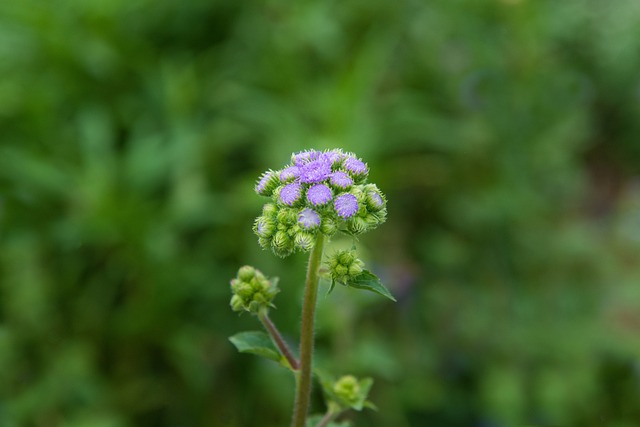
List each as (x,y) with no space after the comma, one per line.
(341,179)
(290,193)
(346,205)
(308,219)
(319,194)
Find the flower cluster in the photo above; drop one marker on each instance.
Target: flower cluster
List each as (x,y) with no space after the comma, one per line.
(252,291)
(318,192)
(344,265)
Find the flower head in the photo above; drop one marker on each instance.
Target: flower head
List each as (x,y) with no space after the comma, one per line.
(346,205)
(290,193)
(341,180)
(289,173)
(319,194)
(315,171)
(355,166)
(308,219)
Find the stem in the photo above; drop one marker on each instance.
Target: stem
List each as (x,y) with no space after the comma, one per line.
(278,340)
(303,383)
(328,417)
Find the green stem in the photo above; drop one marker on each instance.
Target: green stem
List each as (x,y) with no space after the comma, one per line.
(328,417)
(303,383)
(277,339)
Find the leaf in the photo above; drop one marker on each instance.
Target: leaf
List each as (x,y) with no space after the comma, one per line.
(370,282)
(256,342)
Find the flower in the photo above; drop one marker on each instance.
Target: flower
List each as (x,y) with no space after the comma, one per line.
(346,205)
(301,193)
(355,166)
(315,171)
(290,193)
(267,183)
(319,194)
(341,180)
(309,219)
(289,173)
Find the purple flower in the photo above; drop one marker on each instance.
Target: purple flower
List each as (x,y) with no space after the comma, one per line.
(346,205)
(341,179)
(355,166)
(262,184)
(315,171)
(333,156)
(308,219)
(319,194)
(289,173)
(290,193)
(304,157)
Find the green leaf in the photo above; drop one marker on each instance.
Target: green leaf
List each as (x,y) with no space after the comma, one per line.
(256,342)
(370,282)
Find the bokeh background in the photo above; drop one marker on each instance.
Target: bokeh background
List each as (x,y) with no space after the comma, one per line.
(505,133)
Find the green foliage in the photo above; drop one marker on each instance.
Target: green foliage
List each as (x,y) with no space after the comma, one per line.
(256,342)
(370,282)
(503,132)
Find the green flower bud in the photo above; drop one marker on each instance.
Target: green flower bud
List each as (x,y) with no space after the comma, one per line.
(328,226)
(282,244)
(348,389)
(374,200)
(252,291)
(267,183)
(264,242)
(236,303)
(287,217)
(264,226)
(346,257)
(304,240)
(355,269)
(246,273)
(269,210)
(357,225)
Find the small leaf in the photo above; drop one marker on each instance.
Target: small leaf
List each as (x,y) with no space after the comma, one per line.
(370,282)
(256,342)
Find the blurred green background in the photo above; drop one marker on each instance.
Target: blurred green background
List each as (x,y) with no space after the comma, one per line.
(505,133)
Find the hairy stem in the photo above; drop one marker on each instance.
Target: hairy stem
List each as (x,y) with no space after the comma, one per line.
(303,383)
(278,340)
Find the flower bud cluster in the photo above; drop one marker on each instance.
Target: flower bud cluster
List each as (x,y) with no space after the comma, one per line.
(348,390)
(252,291)
(318,192)
(344,266)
